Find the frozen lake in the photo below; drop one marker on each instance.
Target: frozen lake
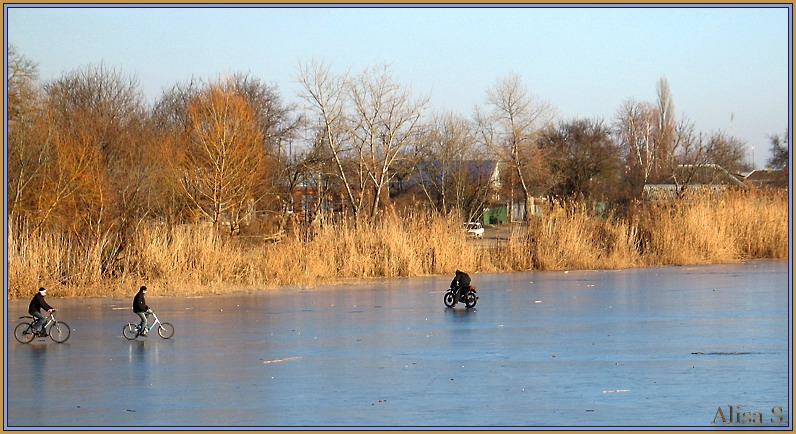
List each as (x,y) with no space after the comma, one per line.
(654,347)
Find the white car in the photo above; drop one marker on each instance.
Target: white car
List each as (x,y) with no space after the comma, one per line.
(475,229)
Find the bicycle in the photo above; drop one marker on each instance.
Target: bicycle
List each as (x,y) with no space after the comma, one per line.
(58,331)
(133,330)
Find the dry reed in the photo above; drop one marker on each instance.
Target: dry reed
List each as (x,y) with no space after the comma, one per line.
(196,259)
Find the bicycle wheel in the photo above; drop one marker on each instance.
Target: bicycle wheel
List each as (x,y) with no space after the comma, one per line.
(59,332)
(130,331)
(166,330)
(24,333)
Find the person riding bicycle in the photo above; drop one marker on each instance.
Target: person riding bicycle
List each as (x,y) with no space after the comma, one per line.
(141,309)
(461,282)
(35,307)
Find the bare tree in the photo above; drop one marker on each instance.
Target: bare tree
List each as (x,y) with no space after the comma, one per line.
(306,168)
(327,95)
(511,126)
(647,133)
(634,127)
(385,121)
(176,117)
(454,173)
(779,151)
(170,123)
(67,168)
(22,87)
(584,158)
(96,166)
(99,112)
(26,134)
(280,129)
(446,140)
(664,132)
(728,152)
(696,149)
(691,153)
(222,159)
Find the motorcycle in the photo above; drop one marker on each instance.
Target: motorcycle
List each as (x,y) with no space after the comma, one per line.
(469,297)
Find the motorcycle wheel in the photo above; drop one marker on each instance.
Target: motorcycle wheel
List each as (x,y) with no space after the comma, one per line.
(471,300)
(449,299)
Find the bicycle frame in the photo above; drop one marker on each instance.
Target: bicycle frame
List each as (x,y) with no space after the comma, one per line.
(48,321)
(134,330)
(25,333)
(151,324)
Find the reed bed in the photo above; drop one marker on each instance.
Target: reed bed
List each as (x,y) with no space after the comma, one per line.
(198,259)
(715,228)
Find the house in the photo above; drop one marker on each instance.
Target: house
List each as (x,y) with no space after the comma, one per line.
(767,178)
(705,174)
(481,172)
(477,182)
(693,177)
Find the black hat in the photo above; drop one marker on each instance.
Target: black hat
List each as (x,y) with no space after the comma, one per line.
(143,288)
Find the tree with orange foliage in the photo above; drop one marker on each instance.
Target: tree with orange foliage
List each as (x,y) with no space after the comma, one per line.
(223,162)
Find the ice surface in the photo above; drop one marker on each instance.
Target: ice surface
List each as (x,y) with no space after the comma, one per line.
(647,347)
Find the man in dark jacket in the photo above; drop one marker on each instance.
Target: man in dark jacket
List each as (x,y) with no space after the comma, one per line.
(35,307)
(461,281)
(141,309)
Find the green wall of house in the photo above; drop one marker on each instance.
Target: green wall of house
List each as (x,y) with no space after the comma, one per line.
(495,215)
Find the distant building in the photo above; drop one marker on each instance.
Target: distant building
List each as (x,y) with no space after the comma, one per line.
(694,177)
(767,178)
(705,174)
(482,172)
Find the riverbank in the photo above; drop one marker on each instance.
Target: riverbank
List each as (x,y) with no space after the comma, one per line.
(197,260)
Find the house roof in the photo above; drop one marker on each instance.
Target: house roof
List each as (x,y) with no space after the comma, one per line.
(705,174)
(768,178)
(694,177)
(485,170)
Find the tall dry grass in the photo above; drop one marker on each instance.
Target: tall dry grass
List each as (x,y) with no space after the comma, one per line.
(196,259)
(703,228)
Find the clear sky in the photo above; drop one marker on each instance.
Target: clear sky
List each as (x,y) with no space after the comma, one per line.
(729,68)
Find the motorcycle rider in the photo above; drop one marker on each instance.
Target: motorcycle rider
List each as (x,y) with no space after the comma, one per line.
(461,282)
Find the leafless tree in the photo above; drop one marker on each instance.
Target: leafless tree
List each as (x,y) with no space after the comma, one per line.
(451,170)
(222,160)
(647,135)
(511,125)
(327,95)
(22,84)
(98,117)
(385,121)
(27,134)
(779,151)
(634,128)
(240,103)
(584,158)
(664,132)
(280,126)
(76,158)
(367,123)
(728,152)
(691,152)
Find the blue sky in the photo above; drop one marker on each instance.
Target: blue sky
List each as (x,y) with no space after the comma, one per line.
(728,68)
